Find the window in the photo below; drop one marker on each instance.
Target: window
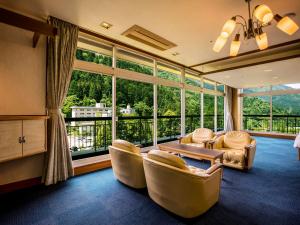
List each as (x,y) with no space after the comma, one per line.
(168,72)
(135,111)
(90,137)
(256,113)
(192,111)
(209,111)
(130,61)
(168,113)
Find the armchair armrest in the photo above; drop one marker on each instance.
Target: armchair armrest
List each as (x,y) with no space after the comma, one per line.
(139,145)
(213,168)
(185,139)
(250,153)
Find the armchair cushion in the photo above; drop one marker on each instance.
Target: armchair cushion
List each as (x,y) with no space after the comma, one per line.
(201,135)
(236,139)
(167,158)
(126,146)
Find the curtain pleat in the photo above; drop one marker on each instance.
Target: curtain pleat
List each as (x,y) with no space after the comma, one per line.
(228,106)
(61,51)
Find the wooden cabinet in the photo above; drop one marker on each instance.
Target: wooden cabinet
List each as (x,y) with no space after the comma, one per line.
(21,136)
(10,148)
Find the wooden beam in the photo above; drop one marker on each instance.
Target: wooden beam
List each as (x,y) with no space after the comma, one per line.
(35,39)
(27,23)
(253,64)
(297,41)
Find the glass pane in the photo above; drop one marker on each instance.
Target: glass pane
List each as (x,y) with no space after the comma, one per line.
(209,111)
(286,86)
(256,113)
(135,110)
(192,111)
(209,85)
(286,113)
(168,72)
(220,113)
(221,87)
(94,52)
(168,113)
(87,109)
(193,80)
(130,61)
(256,89)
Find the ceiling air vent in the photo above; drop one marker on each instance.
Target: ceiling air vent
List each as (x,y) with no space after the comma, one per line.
(147,37)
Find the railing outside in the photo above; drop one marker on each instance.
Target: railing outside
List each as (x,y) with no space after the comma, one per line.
(289,124)
(92,135)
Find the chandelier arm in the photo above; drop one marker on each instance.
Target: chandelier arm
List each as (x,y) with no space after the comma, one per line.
(243,26)
(244,20)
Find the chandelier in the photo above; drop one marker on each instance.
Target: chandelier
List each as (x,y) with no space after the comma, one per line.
(260,17)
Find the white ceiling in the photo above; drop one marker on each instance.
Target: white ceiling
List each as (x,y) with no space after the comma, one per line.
(282,72)
(192,25)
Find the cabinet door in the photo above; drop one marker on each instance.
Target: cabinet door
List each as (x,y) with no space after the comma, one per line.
(10,148)
(34,132)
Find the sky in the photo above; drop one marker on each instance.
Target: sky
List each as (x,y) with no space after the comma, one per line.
(295,86)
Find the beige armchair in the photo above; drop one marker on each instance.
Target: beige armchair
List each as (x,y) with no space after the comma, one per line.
(184,190)
(238,147)
(127,163)
(199,138)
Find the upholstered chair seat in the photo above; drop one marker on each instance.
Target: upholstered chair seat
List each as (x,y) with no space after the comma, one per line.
(238,147)
(199,138)
(184,190)
(127,163)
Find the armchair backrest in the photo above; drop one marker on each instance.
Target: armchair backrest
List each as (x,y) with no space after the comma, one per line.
(180,191)
(127,163)
(202,134)
(236,139)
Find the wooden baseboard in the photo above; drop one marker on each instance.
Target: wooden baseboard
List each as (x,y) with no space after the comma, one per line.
(91,167)
(273,135)
(91,164)
(5,188)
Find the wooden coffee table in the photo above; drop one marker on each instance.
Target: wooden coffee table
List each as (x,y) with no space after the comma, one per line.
(192,151)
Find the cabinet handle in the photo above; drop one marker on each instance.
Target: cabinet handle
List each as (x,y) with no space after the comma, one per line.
(20,140)
(23,139)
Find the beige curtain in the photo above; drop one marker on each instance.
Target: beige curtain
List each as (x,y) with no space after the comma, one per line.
(228,106)
(61,51)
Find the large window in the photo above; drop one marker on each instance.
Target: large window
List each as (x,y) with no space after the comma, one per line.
(256,113)
(135,112)
(168,113)
(192,111)
(88,110)
(89,105)
(209,111)
(286,113)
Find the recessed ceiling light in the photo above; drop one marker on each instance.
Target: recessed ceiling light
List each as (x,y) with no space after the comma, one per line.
(105,25)
(268,70)
(175,53)
(275,77)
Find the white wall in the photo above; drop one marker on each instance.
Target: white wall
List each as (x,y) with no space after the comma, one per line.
(22,91)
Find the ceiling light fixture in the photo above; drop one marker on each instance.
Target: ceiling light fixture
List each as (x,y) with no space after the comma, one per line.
(260,18)
(106,25)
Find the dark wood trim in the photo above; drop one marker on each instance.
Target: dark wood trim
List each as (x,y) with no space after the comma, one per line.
(248,53)
(27,23)
(122,44)
(23,117)
(273,135)
(253,64)
(92,167)
(35,39)
(5,188)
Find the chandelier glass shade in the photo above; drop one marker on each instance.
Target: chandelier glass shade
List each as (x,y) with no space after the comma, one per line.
(261,17)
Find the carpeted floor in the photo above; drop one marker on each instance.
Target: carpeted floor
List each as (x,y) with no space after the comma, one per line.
(269,194)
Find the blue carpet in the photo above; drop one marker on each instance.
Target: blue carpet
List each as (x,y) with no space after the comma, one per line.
(268,194)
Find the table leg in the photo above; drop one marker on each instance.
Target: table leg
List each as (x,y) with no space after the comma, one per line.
(212,162)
